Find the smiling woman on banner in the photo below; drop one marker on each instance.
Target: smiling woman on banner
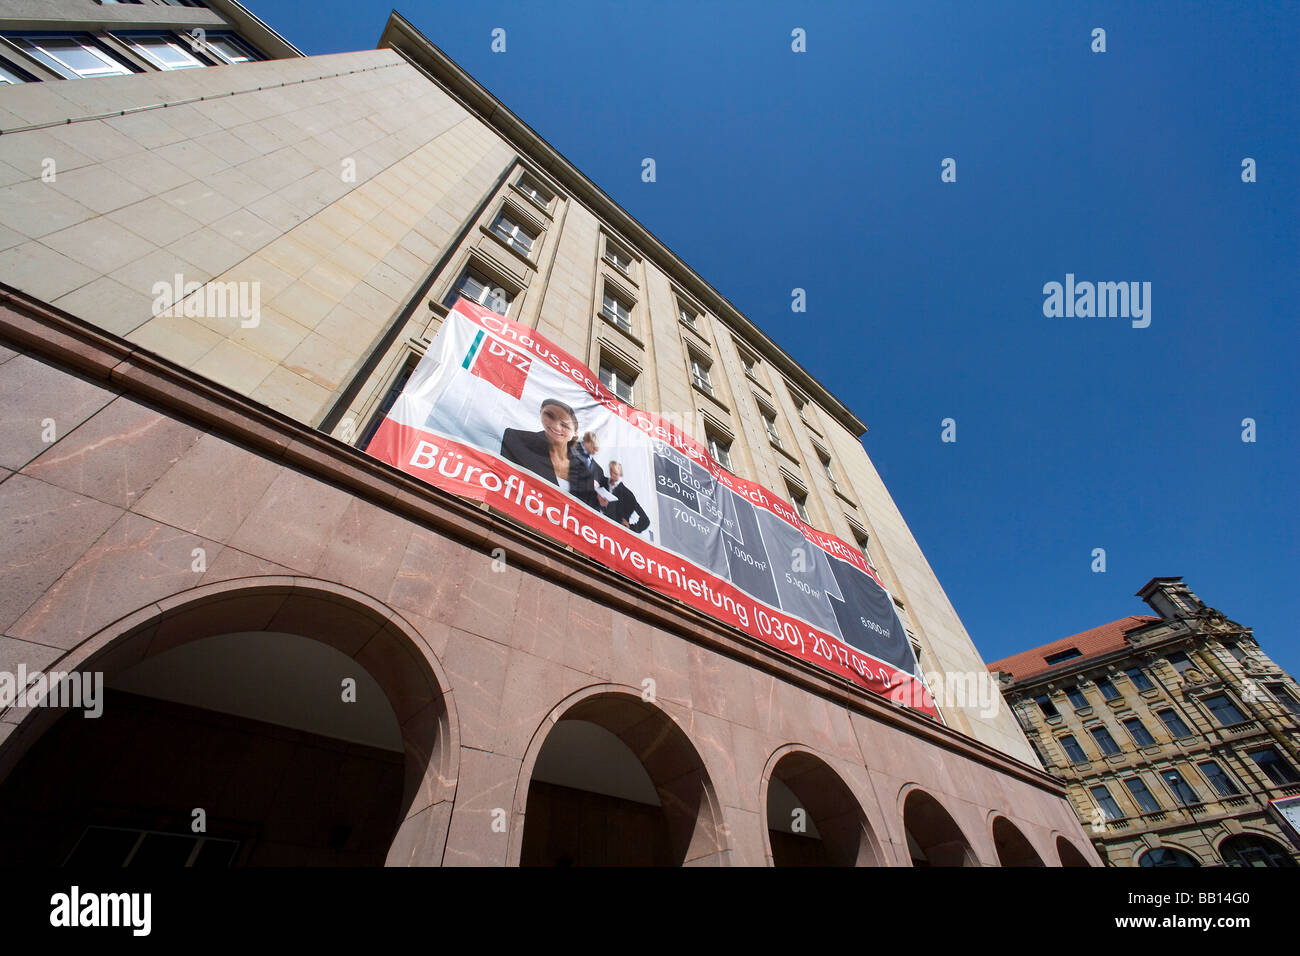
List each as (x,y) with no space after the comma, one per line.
(551,453)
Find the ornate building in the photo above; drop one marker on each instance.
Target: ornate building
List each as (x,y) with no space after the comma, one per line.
(1174,733)
(219,262)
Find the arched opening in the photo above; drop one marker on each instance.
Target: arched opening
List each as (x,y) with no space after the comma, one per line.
(813,819)
(1069,853)
(1164,856)
(617,783)
(1251,849)
(245,726)
(933,837)
(1014,848)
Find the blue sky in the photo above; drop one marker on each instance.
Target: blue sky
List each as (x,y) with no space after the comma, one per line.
(821,170)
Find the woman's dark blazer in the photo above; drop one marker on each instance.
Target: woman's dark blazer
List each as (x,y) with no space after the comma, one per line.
(531,450)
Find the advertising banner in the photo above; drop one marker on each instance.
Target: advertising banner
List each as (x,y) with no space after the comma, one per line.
(497,413)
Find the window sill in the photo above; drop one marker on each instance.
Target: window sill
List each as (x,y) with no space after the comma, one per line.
(529,258)
(1117,703)
(630,336)
(791,457)
(843,496)
(758,383)
(711,394)
(1084,711)
(624,276)
(693,329)
(535,203)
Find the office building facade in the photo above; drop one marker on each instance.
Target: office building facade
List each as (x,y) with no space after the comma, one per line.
(221,261)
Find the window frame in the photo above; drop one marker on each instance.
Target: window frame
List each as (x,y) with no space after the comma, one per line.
(31,44)
(1073,744)
(1137,799)
(1135,720)
(1229,703)
(619,374)
(609,293)
(1174,715)
(1094,732)
(455,291)
(1221,774)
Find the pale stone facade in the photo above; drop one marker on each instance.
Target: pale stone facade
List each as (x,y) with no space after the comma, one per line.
(350,193)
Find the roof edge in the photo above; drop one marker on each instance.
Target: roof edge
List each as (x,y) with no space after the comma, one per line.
(401,35)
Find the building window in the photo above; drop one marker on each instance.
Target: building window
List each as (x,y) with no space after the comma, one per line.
(1141,736)
(749,362)
(10,75)
(1164,856)
(1072,749)
(720,450)
(518,238)
(1236,650)
(618,258)
(799,499)
(1180,788)
(801,406)
(1247,849)
(1180,661)
(530,188)
(1223,784)
(1274,767)
(1284,696)
(117,847)
(617,381)
(1224,710)
(769,424)
(476,287)
(1139,678)
(1141,795)
(1046,706)
(688,315)
(700,373)
(1173,723)
(164,52)
(1108,690)
(1105,742)
(1053,659)
(73,57)
(1077,700)
(231,49)
(1107,803)
(617,311)
(863,540)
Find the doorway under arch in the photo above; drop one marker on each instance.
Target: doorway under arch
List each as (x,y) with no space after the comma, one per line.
(615,782)
(244,723)
(933,837)
(1013,847)
(813,819)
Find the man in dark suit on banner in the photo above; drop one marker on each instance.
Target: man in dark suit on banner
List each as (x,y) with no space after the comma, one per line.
(625,508)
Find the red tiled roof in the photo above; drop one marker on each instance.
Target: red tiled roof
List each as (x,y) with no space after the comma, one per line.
(1090,643)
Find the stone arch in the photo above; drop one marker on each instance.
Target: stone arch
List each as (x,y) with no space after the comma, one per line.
(844,836)
(1174,855)
(933,836)
(1253,848)
(695,833)
(1012,846)
(1068,853)
(355,624)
